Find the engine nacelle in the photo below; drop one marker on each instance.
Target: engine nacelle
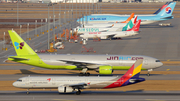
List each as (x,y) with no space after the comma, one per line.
(105,70)
(103,37)
(63,89)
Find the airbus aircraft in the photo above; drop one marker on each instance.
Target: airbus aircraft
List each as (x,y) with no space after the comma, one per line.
(164,13)
(105,27)
(113,34)
(103,64)
(70,84)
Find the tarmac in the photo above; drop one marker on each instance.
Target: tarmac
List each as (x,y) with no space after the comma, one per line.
(156,41)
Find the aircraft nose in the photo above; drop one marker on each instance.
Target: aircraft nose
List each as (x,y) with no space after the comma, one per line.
(15,84)
(159,64)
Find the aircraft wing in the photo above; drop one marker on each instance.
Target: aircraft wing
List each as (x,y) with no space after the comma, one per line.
(83,64)
(79,85)
(104,31)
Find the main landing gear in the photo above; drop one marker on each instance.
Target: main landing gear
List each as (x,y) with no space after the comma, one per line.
(78,92)
(27,91)
(84,72)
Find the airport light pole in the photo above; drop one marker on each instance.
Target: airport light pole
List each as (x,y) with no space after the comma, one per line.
(27,30)
(20,29)
(60,17)
(41,26)
(96,8)
(48,24)
(17,12)
(54,32)
(76,12)
(4,41)
(36,27)
(82,14)
(93,6)
(65,24)
(45,26)
(53,27)
(89,7)
(86,11)
(72,21)
(59,23)
(65,11)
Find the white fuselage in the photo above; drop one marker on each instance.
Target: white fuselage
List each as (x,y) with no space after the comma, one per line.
(54,82)
(105,35)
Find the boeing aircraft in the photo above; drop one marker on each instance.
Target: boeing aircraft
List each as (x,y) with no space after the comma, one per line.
(113,34)
(164,13)
(103,64)
(70,84)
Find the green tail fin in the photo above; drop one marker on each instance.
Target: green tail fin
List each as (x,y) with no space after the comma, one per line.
(20,46)
(128,25)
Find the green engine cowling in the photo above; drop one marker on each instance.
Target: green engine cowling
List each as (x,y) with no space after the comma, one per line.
(105,70)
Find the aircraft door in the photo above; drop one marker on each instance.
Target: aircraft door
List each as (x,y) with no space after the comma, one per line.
(146,62)
(27,81)
(53,81)
(40,61)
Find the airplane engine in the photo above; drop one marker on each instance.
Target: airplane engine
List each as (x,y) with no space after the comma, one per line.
(103,37)
(105,70)
(63,89)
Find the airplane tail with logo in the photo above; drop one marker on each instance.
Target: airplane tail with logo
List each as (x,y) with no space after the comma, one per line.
(166,10)
(136,26)
(134,19)
(130,24)
(21,47)
(130,77)
(166,4)
(131,16)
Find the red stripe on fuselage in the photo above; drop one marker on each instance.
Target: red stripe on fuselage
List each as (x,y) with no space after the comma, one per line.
(123,79)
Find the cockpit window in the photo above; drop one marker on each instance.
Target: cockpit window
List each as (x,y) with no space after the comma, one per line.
(158,61)
(19,80)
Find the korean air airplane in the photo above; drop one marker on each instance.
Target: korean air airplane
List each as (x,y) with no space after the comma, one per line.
(164,13)
(103,64)
(70,84)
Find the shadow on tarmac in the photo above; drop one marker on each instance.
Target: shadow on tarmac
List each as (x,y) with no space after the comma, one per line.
(28,72)
(132,92)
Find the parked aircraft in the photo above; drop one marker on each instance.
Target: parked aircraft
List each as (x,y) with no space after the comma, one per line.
(70,84)
(99,27)
(164,13)
(103,64)
(108,25)
(113,34)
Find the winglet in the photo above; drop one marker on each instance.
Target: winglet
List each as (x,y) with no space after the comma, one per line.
(131,16)
(20,46)
(136,26)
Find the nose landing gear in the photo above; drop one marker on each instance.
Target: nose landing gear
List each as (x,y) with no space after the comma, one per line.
(149,70)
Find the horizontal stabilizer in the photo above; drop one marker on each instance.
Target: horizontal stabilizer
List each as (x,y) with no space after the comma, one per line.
(18,58)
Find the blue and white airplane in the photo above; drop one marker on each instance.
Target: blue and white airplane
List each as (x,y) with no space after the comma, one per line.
(164,13)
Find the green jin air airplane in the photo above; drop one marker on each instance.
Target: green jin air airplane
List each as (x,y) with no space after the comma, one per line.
(103,64)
